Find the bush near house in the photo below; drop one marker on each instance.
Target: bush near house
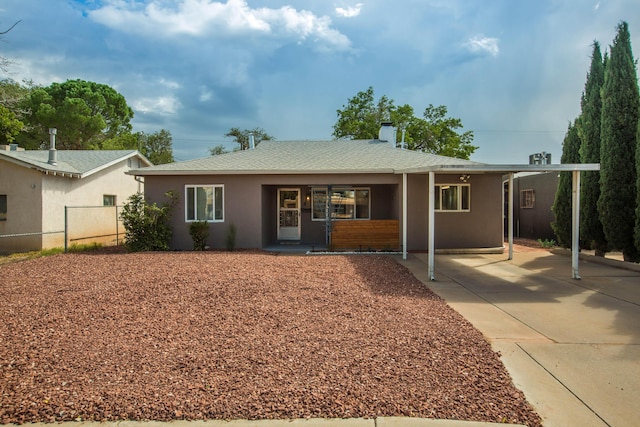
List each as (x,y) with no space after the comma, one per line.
(147,225)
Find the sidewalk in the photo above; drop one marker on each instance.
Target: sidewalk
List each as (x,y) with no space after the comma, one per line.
(572,346)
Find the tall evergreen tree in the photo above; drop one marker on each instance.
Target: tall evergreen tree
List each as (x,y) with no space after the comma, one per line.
(637,228)
(591,230)
(619,121)
(562,204)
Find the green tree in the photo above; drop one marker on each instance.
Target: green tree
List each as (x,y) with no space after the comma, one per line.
(124,141)
(86,114)
(619,127)
(147,224)
(361,117)
(591,230)
(434,132)
(437,134)
(242,136)
(13,97)
(157,147)
(636,233)
(217,150)
(562,203)
(10,126)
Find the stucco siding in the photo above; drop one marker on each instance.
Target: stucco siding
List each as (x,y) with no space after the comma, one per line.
(534,222)
(251,204)
(99,224)
(481,227)
(23,188)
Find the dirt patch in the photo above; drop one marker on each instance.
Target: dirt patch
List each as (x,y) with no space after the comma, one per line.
(162,336)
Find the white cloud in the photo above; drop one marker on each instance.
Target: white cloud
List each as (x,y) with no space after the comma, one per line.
(205,94)
(349,12)
(482,44)
(202,18)
(169,84)
(597,6)
(161,105)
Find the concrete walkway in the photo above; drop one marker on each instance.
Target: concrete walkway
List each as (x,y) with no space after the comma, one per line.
(572,346)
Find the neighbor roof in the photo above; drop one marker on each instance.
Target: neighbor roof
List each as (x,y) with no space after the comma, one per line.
(308,157)
(71,163)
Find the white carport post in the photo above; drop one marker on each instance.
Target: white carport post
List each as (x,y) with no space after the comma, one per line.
(575,223)
(510,216)
(431,228)
(404,216)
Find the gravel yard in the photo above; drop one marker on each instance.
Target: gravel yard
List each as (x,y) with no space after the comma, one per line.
(215,335)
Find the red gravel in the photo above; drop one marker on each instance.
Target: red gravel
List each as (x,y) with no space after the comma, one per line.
(162,336)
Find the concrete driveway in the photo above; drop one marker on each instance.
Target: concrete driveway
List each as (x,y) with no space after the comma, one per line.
(572,346)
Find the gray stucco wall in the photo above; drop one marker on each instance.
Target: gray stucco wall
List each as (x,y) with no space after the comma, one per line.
(535,222)
(250,203)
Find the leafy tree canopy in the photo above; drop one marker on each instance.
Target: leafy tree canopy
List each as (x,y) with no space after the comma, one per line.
(217,150)
(86,114)
(10,126)
(434,132)
(241,137)
(157,146)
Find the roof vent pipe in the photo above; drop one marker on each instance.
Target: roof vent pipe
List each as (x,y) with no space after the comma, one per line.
(53,154)
(252,142)
(387,133)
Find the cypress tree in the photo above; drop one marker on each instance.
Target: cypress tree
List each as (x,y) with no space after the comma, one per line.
(562,203)
(637,228)
(619,127)
(591,230)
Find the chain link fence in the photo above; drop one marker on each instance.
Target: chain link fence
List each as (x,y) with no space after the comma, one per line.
(82,225)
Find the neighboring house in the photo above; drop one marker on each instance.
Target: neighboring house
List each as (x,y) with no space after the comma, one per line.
(533,197)
(35,187)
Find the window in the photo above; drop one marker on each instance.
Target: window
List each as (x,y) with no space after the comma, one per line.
(527,199)
(344,203)
(204,203)
(452,197)
(108,200)
(3,207)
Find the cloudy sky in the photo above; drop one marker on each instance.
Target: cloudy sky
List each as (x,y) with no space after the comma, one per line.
(512,70)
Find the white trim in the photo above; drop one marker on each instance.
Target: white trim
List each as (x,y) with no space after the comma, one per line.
(510,216)
(459,201)
(431,228)
(186,200)
(575,226)
(404,215)
(297,209)
(338,188)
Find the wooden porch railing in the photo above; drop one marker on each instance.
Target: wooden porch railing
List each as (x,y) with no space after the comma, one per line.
(365,235)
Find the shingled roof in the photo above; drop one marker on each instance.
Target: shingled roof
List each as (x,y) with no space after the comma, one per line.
(307,157)
(70,163)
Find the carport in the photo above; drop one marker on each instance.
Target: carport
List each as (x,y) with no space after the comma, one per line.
(508,171)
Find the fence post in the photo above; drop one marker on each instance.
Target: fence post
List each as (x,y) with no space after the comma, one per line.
(117,234)
(65,229)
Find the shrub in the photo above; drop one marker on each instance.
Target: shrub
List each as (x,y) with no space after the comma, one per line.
(147,225)
(199,232)
(230,239)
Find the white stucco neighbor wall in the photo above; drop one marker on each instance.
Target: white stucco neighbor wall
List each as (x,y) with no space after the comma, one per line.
(58,192)
(23,188)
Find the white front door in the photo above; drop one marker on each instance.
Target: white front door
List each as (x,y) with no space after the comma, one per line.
(288,214)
